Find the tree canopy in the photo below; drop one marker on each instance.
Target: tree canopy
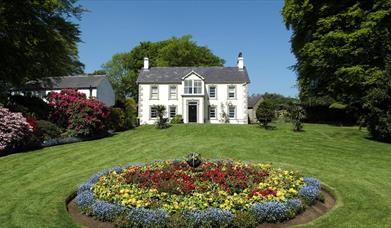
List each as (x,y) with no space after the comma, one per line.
(123,68)
(38,38)
(341,47)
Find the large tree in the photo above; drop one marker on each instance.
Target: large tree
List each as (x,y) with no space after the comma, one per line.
(123,68)
(341,48)
(38,38)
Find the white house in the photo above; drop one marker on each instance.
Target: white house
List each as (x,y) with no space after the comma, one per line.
(96,86)
(199,94)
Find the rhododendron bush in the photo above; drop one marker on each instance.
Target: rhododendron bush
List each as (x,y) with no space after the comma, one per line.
(79,115)
(14,129)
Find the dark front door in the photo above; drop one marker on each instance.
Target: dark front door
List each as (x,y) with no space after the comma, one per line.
(193,113)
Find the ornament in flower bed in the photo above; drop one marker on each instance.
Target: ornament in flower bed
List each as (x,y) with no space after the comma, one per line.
(216,194)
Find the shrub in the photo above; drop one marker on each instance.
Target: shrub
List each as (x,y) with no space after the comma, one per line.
(177,120)
(46,130)
(265,113)
(130,113)
(117,119)
(79,115)
(29,106)
(15,131)
(161,122)
(297,115)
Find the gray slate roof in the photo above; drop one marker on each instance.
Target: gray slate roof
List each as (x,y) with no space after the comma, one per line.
(66,82)
(252,100)
(162,75)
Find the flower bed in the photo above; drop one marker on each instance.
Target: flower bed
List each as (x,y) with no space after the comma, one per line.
(216,193)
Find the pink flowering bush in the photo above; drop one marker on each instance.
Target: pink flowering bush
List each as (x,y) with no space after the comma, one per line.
(79,115)
(14,130)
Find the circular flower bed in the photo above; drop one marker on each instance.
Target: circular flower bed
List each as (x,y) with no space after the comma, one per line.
(216,193)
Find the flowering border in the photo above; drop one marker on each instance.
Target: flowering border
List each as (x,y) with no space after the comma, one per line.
(270,211)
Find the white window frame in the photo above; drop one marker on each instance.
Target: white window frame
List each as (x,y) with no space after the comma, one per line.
(215,87)
(190,89)
(151,92)
(209,111)
(169,111)
(150,112)
(234,107)
(228,92)
(170,97)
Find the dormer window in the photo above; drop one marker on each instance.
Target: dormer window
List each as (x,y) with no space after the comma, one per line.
(193,86)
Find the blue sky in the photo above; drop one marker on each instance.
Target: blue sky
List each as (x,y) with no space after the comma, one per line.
(226,27)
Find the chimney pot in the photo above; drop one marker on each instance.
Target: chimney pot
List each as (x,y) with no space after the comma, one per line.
(240,61)
(146,63)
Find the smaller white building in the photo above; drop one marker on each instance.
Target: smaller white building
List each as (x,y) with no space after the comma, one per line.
(93,86)
(199,94)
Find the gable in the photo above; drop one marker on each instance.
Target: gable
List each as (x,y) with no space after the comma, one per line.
(193,75)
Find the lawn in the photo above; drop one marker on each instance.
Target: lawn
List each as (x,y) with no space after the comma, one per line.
(34,184)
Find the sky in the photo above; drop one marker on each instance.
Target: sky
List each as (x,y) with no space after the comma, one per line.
(227,27)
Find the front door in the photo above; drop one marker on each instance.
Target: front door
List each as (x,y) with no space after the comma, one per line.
(192,112)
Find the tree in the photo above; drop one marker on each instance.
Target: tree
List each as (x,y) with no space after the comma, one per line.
(161,121)
(38,39)
(265,113)
(341,48)
(123,68)
(297,114)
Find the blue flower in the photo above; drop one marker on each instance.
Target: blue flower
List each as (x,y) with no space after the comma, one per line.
(106,211)
(309,193)
(295,204)
(310,181)
(212,216)
(271,211)
(147,217)
(117,169)
(84,199)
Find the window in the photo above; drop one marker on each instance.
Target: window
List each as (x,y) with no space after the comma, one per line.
(193,86)
(212,91)
(232,112)
(153,113)
(173,93)
(231,92)
(212,112)
(172,111)
(154,92)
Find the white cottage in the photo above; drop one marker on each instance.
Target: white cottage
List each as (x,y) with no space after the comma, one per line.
(199,94)
(94,86)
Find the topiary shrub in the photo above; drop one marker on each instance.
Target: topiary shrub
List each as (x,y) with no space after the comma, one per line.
(117,119)
(79,115)
(265,113)
(177,120)
(15,131)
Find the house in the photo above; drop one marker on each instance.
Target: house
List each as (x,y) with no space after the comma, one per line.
(252,105)
(199,94)
(97,86)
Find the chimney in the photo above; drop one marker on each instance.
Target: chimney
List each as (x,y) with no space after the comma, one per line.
(240,61)
(146,64)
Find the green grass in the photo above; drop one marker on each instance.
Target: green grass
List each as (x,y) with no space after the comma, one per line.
(34,184)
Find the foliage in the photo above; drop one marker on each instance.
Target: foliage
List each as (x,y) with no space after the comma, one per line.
(224,118)
(177,120)
(79,115)
(117,119)
(265,113)
(297,115)
(15,131)
(342,49)
(377,108)
(39,39)
(130,113)
(29,106)
(136,195)
(279,102)
(161,122)
(123,68)
(46,130)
